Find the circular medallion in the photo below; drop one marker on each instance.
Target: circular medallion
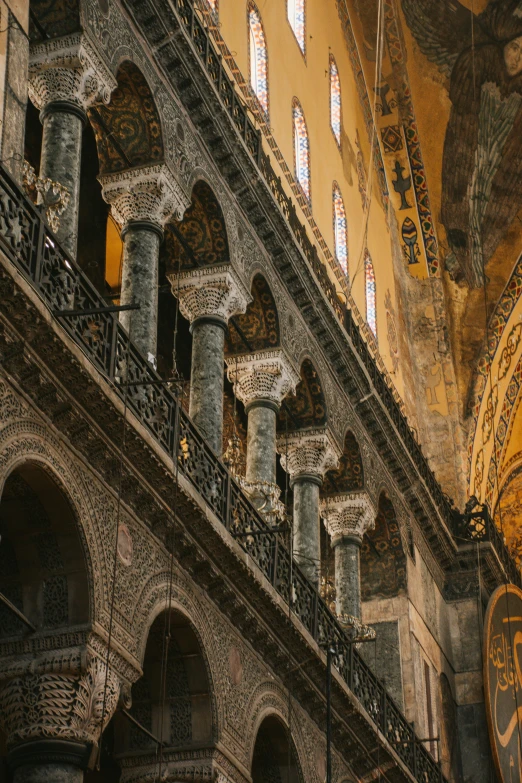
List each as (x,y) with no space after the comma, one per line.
(124,545)
(503,680)
(235,665)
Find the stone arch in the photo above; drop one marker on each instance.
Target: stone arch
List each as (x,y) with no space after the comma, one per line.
(275,758)
(307,409)
(349,475)
(201,238)
(43,564)
(128,130)
(383,559)
(173,698)
(27,440)
(257,329)
(153,601)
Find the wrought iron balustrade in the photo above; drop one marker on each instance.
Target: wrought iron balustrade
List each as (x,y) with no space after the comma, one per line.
(28,243)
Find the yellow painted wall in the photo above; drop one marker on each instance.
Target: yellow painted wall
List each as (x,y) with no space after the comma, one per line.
(307,78)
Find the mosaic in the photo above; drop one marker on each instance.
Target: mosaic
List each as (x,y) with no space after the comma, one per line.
(301,149)
(200,239)
(340,229)
(258,57)
(296,16)
(128,130)
(349,475)
(56,17)
(258,328)
(371,293)
(335,100)
(391,138)
(383,561)
(308,408)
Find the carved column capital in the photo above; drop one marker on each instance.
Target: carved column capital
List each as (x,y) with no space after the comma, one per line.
(69,69)
(308,453)
(59,697)
(149,193)
(216,292)
(267,375)
(349,514)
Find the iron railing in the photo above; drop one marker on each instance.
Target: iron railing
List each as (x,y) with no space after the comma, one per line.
(237,108)
(28,243)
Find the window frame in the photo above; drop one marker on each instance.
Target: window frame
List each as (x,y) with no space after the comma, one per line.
(336,192)
(252,7)
(333,61)
(302,48)
(296,104)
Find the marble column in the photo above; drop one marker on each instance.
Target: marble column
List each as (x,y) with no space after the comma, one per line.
(307,456)
(208,298)
(142,200)
(67,76)
(261,381)
(348,517)
(51,713)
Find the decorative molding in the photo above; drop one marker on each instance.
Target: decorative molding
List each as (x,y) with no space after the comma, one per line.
(148,193)
(266,375)
(216,291)
(69,69)
(352,514)
(309,452)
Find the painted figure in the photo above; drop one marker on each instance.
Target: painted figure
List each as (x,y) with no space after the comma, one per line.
(482,165)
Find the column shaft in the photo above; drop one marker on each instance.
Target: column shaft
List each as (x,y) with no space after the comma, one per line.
(53,772)
(206,380)
(139,284)
(348,576)
(307,530)
(261,443)
(61,162)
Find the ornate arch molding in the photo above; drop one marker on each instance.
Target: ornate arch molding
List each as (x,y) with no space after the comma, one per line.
(154,600)
(29,441)
(270,699)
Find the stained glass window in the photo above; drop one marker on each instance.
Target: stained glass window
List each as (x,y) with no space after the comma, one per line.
(296,16)
(371,293)
(335,100)
(340,228)
(258,57)
(301,149)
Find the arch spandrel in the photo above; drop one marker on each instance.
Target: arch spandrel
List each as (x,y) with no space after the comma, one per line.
(258,328)
(128,130)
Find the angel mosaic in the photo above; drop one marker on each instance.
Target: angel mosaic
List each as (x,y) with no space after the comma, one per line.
(482,165)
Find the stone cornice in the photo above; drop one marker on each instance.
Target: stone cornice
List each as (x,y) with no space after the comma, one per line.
(308,452)
(69,69)
(216,291)
(266,375)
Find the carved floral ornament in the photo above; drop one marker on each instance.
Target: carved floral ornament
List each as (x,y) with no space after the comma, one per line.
(69,69)
(266,375)
(210,291)
(309,452)
(148,193)
(351,514)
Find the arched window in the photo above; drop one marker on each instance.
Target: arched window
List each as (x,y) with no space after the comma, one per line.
(258,57)
(371,293)
(335,100)
(301,148)
(340,228)
(296,16)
